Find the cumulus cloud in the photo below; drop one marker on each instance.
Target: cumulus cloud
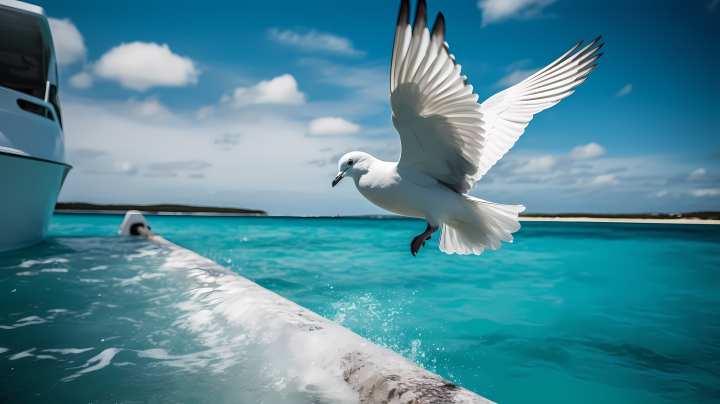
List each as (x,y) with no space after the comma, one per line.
(369,83)
(515,77)
(587,152)
(332,127)
(141,66)
(314,41)
(69,44)
(494,11)
(701,175)
(148,108)
(624,91)
(697,175)
(604,179)
(205,113)
(280,90)
(538,165)
(706,192)
(81,80)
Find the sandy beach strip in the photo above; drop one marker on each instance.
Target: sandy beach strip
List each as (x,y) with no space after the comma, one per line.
(617,220)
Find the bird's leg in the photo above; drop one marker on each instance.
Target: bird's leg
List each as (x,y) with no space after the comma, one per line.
(420,240)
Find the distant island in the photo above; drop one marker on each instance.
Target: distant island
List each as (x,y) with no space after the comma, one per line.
(155,209)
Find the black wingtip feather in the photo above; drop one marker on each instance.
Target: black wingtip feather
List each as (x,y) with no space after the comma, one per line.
(420,16)
(404,13)
(438,31)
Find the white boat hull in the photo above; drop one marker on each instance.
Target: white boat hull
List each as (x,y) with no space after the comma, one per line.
(29,188)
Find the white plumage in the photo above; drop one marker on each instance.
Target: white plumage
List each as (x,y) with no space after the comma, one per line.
(449,141)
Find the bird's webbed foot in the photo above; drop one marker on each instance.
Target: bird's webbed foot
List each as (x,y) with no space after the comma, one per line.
(419,241)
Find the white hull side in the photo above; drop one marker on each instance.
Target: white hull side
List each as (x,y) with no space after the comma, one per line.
(28,192)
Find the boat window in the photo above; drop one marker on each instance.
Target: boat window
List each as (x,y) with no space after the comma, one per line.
(35,109)
(55,101)
(24,58)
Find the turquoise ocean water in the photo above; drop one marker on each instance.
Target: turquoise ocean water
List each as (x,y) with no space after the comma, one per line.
(569,313)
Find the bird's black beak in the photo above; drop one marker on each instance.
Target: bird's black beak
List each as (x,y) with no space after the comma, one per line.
(338,178)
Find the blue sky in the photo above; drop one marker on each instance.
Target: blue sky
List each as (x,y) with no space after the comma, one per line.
(250,104)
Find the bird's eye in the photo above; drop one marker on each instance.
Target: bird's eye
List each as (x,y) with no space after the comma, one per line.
(350,162)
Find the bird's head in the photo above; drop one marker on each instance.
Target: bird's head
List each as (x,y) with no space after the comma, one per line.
(352,164)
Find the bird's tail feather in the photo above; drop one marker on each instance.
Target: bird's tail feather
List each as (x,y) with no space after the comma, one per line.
(486,225)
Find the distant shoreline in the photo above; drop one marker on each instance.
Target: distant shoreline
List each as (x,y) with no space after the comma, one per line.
(580,219)
(165,209)
(187,210)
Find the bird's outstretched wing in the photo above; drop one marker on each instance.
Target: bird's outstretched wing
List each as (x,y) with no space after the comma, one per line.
(444,132)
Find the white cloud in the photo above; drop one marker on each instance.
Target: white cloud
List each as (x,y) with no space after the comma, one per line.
(515,77)
(624,91)
(587,152)
(148,108)
(501,10)
(280,90)
(697,175)
(661,193)
(273,149)
(205,113)
(538,165)
(69,43)
(604,179)
(314,41)
(140,66)
(706,192)
(81,80)
(701,175)
(332,127)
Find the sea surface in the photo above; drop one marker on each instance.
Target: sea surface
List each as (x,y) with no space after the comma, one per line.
(568,313)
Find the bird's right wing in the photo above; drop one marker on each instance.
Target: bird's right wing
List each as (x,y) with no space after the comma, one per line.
(507,113)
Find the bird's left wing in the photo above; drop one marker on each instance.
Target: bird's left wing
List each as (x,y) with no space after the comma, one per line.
(444,132)
(434,110)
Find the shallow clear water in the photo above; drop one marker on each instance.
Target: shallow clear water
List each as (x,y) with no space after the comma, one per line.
(571,312)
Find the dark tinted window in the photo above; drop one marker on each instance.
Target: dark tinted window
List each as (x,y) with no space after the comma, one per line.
(23,58)
(55,101)
(35,109)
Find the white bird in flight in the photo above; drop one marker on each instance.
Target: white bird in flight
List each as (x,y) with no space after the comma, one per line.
(449,141)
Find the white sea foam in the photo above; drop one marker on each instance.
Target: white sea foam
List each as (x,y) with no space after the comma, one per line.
(29,263)
(23,354)
(65,351)
(103,359)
